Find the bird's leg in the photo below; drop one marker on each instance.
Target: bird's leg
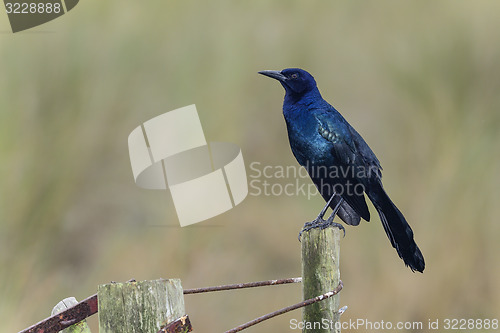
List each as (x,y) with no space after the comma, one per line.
(329,222)
(319,222)
(323,211)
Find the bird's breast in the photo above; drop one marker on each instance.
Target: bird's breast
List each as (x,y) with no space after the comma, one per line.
(308,145)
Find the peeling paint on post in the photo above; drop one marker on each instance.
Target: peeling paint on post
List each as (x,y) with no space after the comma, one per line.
(320,274)
(143,307)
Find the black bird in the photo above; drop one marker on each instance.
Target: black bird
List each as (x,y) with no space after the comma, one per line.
(340,163)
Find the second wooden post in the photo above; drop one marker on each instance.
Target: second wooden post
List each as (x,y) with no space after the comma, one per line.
(143,307)
(320,274)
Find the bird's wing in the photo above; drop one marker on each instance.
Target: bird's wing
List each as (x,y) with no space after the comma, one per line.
(339,135)
(369,158)
(346,159)
(334,122)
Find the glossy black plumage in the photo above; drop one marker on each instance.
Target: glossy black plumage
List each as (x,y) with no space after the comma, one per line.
(338,159)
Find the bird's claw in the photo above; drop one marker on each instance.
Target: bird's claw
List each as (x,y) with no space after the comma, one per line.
(311,225)
(338,225)
(321,224)
(330,223)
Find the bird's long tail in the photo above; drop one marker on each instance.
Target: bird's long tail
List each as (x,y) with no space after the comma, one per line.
(397,229)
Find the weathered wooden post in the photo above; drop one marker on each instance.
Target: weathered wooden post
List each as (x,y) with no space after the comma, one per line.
(320,274)
(139,307)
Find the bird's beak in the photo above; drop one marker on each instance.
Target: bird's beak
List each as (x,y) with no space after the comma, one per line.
(274,74)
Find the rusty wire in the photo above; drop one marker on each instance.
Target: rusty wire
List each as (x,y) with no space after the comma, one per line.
(242,285)
(288,309)
(180,325)
(65,318)
(88,307)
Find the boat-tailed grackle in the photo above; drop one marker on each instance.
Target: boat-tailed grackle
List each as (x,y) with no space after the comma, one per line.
(340,163)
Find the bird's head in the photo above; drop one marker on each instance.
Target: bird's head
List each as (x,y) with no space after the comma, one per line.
(296,81)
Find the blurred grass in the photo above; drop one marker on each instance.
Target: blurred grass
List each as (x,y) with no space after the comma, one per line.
(419,80)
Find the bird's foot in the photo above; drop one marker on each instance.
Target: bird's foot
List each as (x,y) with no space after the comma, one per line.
(321,224)
(311,225)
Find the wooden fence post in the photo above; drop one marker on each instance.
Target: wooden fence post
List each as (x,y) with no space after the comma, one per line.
(139,307)
(320,274)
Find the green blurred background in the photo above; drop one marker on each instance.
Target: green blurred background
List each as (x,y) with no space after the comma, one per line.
(418,79)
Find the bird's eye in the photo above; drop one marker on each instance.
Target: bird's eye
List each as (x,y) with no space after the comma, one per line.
(294,76)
